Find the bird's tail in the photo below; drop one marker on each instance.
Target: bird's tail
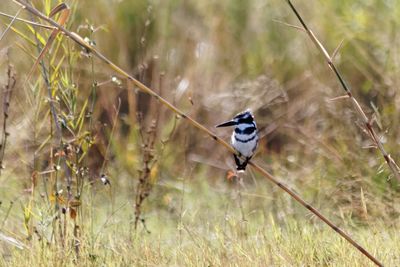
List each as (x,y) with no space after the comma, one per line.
(241,166)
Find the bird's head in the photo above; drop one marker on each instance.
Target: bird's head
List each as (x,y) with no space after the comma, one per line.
(243,117)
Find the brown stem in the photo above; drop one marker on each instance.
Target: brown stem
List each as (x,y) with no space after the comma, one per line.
(7,93)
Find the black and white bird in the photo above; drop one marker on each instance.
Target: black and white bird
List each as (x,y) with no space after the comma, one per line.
(244,137)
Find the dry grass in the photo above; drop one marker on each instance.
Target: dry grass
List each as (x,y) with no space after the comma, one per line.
(212,233)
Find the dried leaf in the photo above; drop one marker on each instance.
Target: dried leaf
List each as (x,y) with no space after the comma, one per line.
(336,50)
(60,198)
(12,241)
(34,177)
(60,153)
(363,202)
(230,176)
(75,203)
(72,213)
(154,174)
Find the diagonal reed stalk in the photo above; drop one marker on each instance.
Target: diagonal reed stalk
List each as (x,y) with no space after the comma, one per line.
(78,39)
(394,168)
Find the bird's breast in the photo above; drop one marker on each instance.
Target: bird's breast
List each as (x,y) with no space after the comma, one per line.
(245,144)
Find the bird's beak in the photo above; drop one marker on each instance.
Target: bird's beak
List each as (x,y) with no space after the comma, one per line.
(226,124)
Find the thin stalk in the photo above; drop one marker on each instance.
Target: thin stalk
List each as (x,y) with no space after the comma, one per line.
(14,18)
(7,214)
(78,39)
(94,90)
(394,168)
(106,153)
(7,93)
(9,25)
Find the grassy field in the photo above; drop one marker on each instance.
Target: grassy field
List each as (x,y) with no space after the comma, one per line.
(95,172)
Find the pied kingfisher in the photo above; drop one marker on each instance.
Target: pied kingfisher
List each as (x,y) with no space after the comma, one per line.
(244,138)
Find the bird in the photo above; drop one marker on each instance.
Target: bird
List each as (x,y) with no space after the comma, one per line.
(244,138)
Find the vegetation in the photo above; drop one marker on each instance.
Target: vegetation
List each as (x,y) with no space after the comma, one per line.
(97,173)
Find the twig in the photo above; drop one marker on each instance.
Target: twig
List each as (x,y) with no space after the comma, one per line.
(7,93)
(106,156)
(394,168)
(9,25)
(289,25)
(104,225)
(26,21)
(7,214)
(95,85)
(239,185)
(78,39)
(145,183)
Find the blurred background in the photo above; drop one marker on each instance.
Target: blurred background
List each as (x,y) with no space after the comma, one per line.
(212,59)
